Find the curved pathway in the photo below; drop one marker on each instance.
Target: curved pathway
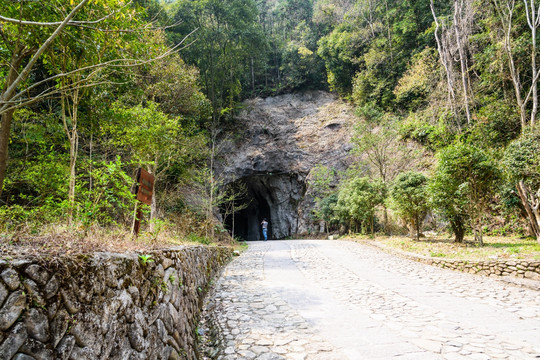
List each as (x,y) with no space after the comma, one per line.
(309,299)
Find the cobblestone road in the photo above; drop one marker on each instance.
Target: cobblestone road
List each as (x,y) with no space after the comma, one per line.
(343,300)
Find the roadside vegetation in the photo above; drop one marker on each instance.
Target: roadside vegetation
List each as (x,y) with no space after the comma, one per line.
(445,92)
(494,248)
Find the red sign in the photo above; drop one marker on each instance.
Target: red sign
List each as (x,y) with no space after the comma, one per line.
(145,186)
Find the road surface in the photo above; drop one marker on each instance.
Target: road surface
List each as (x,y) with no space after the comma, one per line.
(320,299)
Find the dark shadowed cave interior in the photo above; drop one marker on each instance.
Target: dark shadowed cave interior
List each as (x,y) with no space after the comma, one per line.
(271,196)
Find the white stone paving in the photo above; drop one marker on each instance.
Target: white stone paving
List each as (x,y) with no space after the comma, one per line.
(317,299)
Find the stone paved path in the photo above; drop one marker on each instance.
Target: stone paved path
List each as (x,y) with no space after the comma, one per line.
(343,300)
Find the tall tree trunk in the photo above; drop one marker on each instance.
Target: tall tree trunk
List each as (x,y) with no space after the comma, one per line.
(531,206)
(417,227)
(534,78)
(389,32)
(443,57)
(5,131)
(252,75)
(385,218)
(91,175)
(462,59)
(73,137)
(412,229)
(533,19)
(458,228)
(477,230)
(153,204)
(210,209)
(506,13)
(233,220)
(7,116)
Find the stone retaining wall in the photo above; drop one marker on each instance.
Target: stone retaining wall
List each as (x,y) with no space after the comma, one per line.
(526,269)
(106,306)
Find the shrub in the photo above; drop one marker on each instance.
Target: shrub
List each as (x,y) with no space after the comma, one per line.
(408,197)
(462,186)
(357,202)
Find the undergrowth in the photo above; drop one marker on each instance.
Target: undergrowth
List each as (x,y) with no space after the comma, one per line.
(34,239)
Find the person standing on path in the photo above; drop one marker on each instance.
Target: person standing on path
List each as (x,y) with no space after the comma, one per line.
(264,225)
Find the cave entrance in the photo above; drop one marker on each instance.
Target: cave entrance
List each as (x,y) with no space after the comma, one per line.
(274,197)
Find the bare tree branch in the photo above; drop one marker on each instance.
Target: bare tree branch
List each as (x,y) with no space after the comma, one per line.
(57,23)
(8,93)
(5,105)
(51,93)
(127,31)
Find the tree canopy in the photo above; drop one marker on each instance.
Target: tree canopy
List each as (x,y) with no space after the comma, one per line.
(443,90)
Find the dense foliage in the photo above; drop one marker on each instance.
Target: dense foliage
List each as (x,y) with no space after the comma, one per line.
(87,98)
(408,197)
(91,90)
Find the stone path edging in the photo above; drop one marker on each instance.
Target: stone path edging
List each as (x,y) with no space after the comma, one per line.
(523,273)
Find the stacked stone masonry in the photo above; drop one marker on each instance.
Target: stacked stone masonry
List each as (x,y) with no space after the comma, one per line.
(528,269)
(106,306)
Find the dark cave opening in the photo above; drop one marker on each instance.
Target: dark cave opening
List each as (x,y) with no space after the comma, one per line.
(246,222)
(271,196)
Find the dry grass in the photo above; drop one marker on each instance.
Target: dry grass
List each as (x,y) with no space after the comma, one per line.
(439,246)
(56,240)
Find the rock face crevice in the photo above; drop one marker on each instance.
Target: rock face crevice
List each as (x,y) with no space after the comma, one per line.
(272,149)
(106,306)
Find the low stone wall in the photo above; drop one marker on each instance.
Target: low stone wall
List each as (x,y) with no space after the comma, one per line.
(106,306)
(526,269)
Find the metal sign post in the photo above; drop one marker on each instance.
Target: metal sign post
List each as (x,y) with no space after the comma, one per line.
(144,192)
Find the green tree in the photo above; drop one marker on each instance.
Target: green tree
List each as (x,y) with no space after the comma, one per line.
(408,196)
(462,186)
(521,163)
(151,138)
(377,141)
(357,202)
(319,180)
(227,35)
(327,210)
(339,50)
(78,35)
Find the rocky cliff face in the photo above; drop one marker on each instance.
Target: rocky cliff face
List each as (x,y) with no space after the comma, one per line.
(276,143)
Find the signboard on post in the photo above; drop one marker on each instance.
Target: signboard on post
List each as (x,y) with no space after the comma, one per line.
(145,186)
(144,192)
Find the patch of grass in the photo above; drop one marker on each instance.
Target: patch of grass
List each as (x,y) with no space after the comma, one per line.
(240,246)
(495,247)
(437,254)
(198,239)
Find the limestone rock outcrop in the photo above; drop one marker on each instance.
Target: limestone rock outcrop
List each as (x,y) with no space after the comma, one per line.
(273,147)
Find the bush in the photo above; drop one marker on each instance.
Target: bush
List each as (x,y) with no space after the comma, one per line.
(109,200)
(357,202)
(408,197)
(462,186)
(521,163)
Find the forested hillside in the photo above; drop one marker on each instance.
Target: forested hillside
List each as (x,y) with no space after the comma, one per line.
(445,92)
